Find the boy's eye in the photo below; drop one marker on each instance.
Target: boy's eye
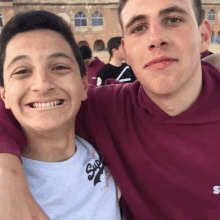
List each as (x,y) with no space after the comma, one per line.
(60,68)
(138,29)
(22,72)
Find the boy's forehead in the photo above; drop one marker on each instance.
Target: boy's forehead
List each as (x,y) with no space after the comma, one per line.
(37,44)
(147,7)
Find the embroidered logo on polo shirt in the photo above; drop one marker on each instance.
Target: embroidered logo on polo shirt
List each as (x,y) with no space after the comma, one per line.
(91,169)
(216,190)
(99,81)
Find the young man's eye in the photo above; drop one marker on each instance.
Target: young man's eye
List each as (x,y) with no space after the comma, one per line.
(138,29)
(173,20)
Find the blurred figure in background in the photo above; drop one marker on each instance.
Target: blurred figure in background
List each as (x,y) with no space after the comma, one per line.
(93,64)
(115,68)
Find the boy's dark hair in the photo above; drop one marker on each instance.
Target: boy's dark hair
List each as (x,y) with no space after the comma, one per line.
(86,52)
(197,6)
(113,42)
(37,20)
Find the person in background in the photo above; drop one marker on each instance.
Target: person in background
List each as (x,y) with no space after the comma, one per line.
(115,68)
(93,64)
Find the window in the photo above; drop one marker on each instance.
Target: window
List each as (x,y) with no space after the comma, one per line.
(97,19)
(80,19)
(1,20)
(211,15)
(99,45)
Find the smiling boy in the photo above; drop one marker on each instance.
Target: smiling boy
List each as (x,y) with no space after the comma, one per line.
(162,130)
(44,83)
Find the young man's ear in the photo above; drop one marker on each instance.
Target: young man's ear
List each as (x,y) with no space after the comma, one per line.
(3,96)
(123,43)
(205,31)
(123,46)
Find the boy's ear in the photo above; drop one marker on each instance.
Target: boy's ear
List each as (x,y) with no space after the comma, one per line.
(3,96)
(205,31)
(85,87)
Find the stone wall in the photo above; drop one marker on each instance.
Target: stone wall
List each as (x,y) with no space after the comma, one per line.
(94,36)
(6,9)
(215,25)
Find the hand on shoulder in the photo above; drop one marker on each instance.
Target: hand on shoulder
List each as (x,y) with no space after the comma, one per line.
(214,59)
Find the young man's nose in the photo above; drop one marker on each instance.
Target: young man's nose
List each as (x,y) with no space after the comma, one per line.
(157,38)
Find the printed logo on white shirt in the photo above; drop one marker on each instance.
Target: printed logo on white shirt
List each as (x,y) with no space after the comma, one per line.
(92,167)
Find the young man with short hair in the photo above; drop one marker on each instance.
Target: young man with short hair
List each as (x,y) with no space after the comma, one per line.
(93,64)
(159,135)
(115,68)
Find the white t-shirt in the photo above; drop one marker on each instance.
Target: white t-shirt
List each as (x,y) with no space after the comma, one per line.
(80,188)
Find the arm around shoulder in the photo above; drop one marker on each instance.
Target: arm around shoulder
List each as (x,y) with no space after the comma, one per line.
(214,59)
(16,201)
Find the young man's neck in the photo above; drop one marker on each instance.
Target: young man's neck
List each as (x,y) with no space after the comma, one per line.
(53,146)
(177,103)
(115,61)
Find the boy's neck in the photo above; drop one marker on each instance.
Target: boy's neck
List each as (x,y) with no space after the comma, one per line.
(53,146)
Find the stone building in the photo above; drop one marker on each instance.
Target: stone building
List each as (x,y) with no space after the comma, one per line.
(212,14)
(93,22)
(6,12)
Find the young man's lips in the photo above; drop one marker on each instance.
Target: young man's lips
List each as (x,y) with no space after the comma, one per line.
(160,61)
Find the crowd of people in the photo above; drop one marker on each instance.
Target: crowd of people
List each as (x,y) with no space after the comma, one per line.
(116,70)
(65,144)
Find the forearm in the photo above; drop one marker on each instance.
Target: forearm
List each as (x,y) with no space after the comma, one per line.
(16,200)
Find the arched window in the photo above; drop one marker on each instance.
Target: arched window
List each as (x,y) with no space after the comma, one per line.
(211,15)
(80,19)
(83,43)
(97,19)
(99,45)
(1,20)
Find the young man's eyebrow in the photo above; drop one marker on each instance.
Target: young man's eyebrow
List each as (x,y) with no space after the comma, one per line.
(134,19)
(162,12)
(172,9)
(17,58)
(60,54)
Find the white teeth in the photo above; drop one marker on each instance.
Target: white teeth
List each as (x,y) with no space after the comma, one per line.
(47,104)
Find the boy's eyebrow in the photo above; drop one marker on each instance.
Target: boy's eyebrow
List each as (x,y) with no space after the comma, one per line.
(55,55)
(134,19)
(162,12)
(60,54)
(15,59)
